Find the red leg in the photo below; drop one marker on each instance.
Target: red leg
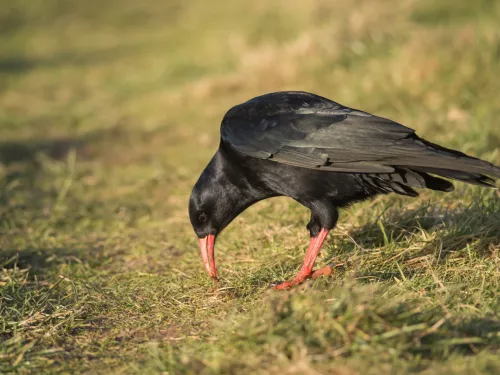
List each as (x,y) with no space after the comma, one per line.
(306,269)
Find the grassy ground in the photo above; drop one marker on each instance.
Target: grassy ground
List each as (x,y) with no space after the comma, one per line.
(109,111)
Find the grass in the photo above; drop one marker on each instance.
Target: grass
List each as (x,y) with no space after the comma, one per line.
(109,111)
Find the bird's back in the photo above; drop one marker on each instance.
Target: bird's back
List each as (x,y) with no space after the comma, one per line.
(306,131)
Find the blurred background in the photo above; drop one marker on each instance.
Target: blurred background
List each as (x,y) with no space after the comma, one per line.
(138,89)
(110,109)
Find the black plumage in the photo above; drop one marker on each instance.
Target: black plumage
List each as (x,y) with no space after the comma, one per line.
(321,154)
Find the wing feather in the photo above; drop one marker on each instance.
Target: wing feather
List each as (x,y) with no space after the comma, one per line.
(310,131)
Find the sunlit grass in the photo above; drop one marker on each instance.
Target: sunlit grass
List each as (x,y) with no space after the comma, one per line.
(109,111)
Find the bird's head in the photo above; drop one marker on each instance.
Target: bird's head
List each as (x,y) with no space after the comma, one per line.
(215,201)
(208,214)
(202,213)
(205,211)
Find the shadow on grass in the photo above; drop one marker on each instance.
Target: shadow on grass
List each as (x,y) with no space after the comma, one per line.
(437,233)
(23,64)
(115,140)
(29,196)
(464,338)
(26,154)
(426,233)
(399,226)
(22,166)
(27,151)
(43,263)
(40,260)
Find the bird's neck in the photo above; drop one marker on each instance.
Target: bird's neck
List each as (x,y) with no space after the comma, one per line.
(224,176)
(225,170)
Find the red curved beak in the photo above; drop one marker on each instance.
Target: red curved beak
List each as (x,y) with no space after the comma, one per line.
(207,253)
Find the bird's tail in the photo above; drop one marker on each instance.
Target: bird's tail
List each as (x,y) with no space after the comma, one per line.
(468,177)
(456,165)
(440,162)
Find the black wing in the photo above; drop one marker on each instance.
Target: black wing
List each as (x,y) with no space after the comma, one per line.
(310,131)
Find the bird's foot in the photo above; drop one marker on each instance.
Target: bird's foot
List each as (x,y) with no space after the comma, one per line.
(301,277)
(324,271)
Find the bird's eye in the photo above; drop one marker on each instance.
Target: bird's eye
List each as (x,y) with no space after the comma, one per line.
(202,218)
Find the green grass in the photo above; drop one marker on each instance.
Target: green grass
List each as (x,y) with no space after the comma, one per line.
(109,111)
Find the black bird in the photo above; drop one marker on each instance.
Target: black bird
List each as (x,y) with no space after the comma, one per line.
(323,155)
